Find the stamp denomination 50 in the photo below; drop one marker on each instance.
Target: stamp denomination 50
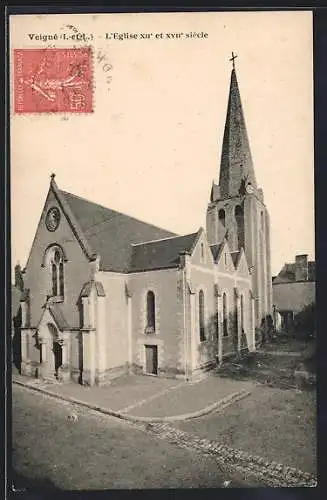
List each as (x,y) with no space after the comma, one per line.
(53,80)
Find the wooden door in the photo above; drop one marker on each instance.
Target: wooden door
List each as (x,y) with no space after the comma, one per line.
(151,359)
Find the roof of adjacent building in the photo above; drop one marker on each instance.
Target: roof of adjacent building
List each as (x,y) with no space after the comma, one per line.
(160,254)
(110,234)
(287,273)
(293,296)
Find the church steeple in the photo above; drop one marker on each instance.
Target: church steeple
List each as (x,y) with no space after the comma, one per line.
(236,167)
(236,210)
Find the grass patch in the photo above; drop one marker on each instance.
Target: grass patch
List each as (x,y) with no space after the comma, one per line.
(270,369)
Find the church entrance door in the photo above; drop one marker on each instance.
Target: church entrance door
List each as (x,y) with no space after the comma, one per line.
(57,352)
(55,356)
(151,359)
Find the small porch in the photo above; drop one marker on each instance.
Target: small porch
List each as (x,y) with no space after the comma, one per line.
(46,349)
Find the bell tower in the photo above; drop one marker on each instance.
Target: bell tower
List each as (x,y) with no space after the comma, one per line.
(236,210)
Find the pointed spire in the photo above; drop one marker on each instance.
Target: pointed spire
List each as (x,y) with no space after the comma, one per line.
(236,167)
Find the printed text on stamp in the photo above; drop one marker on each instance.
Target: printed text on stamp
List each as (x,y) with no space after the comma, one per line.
(53,80)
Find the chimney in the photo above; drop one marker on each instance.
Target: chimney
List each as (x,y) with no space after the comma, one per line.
(301,268)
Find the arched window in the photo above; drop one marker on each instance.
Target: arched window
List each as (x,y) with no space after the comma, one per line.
(251,310)
(225,325)
(221,217)
(238,211)
(202,252)
(150,312)
(56,262)
(201,316)
(236,314)
(242,313)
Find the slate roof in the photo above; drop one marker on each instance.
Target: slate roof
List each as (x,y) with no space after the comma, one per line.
(59,317)
(234,256)
(215,249)
(86,291)
(161,254)
(287,273)
(236,159)
(110,233)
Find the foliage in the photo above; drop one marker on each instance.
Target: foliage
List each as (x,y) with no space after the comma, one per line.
(305,321)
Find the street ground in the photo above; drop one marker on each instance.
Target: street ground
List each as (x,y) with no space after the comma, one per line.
(99,452)
(278,425)
(139,395)
(274,421)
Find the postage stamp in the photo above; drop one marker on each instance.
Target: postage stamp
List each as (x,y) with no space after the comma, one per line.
(53,80)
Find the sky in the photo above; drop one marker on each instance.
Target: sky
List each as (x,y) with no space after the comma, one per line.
(152,146)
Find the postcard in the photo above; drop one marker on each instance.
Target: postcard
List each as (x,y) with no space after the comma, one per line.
(162,243)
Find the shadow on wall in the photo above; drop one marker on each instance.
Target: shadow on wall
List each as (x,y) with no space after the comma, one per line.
(232,330)
(208,349)
(16,340)
(80,357)
(210,345)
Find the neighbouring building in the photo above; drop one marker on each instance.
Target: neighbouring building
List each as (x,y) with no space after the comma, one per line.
(16,317)
(105,294)
(294,288)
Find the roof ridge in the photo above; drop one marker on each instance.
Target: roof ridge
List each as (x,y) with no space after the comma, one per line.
(163,239)
(86,199)
(116,212)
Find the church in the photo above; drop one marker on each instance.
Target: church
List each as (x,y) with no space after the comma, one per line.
(103,294)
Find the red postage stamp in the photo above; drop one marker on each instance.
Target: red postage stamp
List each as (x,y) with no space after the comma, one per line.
(53,80)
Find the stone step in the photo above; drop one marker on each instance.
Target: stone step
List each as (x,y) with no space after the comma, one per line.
(50,380)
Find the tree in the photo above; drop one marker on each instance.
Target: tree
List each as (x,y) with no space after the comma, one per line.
(305,321)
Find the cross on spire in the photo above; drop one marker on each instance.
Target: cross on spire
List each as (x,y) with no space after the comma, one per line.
(234,56)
